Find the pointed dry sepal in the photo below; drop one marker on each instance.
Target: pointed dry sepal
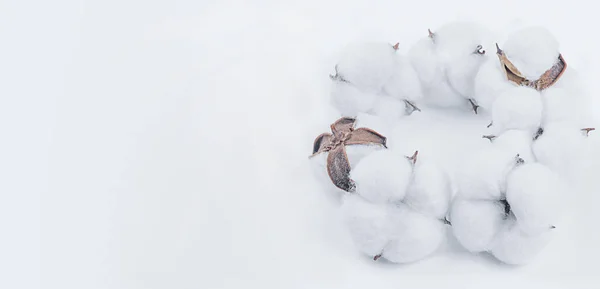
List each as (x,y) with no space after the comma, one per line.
(410,107)
(489,137)
(587,130)
(344,124)
(366,136)
(413,158)
(498,50)
(338,168)
(490,125)
(321,142)
(376,257)
(474,105)
(396,46)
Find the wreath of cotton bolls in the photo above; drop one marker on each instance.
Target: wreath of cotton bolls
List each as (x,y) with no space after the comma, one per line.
(398,207)
(372,77)
(447,62)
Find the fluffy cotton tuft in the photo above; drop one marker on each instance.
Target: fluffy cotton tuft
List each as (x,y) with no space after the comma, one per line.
(560,147)
(389,108)
(349,100)
(532,50)
(534,193)
(483,176)
(560,105)
(517,108)
(404,82)
(367,65)
(475,223)
(383,176)
(516,142)
(423,58)
(489,83)
(417,236)
(429,191)
(370,225)
(516,247)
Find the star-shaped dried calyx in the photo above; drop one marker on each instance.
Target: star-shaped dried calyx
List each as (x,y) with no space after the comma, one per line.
(546,80)
(343,134)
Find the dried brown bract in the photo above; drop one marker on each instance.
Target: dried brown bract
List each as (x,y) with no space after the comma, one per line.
(343,134)
(546,80)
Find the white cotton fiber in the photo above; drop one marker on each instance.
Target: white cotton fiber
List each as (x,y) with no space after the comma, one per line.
(535,194)
(318,165)
(532,50)
(483,174)
(461,38)
(389,108)
(516,142)
(516,247)
(517,108)
(560,147)
(415,237)
(489,83)
(430,191)
(404,82)
(558,105)
(422,56)
(349,100)
(382,176)
(461,73)
(367,65)
(475,223)
(369,225)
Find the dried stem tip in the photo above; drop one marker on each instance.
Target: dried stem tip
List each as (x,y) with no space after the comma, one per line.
(587,130)
(490,137)
(396,46)
(413,158)
(376,257)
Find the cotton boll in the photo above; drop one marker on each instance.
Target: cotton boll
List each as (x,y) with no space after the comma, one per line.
(429,192)
(404,82)
(424,60)
(389,108)
(415,237)
(534,193)
(441,94)
(349,100)
(483,176)
(517,142)
(489,83)
(475,223)
(517,108)
(382,176)
(368,224)
(516,247)
(461,73)
(532,50)
(560,147)
(367,65)
(558,105)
